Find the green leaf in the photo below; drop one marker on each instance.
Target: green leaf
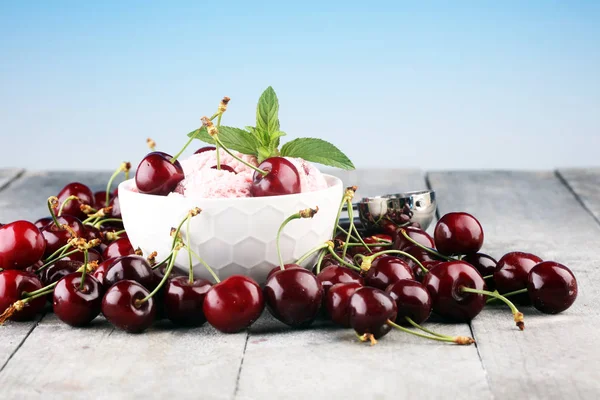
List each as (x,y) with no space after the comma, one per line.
(238,140)
(263,153)
(317,151)
(263,137)
(275,137)
(201,134)
(267,111)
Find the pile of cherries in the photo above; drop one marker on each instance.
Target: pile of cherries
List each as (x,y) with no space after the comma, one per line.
(80,260)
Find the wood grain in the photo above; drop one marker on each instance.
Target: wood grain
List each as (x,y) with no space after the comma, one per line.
(328,362)
(585,183)
(556,356)
(7,175)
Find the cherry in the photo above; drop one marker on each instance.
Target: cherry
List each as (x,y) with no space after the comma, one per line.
(91,232)
(337,300)
(118,248)
(156,174)
(205,148)
(115,211)
(131,267)
(458,233)
(93,255)
(486,265)
(100,199)
(121,306)
(59,270)
(334,274)
(552,287)
(281,178)
(420,254)
(416,234)
(74,305)
(512,273)
(233,304)
(443,282)
(412,300)
(369,310)
(225,168)
(418,271)
(21,245)
(13,284)
(100,272)
(294,296)
(373,239)
(328,260)
(278,268)
(56,237)
(386,270)
(83,193)
(42,222)
(183,300)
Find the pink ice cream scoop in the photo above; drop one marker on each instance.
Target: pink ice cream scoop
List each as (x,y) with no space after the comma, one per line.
(311,179)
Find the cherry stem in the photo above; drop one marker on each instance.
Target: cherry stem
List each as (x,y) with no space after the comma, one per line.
(342,261)
(188,143)
(310,253)
(34,294)
(187,236)
(382,243)
(320,261)
(163,261)
(59,252)
(457,339)
(111,179)
(219,143)
(53,215)
(518,316)
(64,203)
(162,281)
(346,232)
(285,222)
(102,221)
(489,277)
(337,218)
(84,271)
(413,323)
(52,261)
(369,259)
(428,249)
(208,268)
(520,291)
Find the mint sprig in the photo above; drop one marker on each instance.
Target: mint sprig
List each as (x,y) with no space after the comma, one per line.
(263,140)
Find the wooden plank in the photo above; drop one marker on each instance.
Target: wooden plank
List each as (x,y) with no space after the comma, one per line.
(330,363)
(7,175)
(585,183)
(556,356)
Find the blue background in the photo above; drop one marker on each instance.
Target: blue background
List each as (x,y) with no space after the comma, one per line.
(482,84)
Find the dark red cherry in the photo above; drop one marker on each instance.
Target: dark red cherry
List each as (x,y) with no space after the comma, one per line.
(334,274)
(93,255)
(33,268)
(157,175)
(59,270)
(337,300)
(486,265)
(115,211)
(552,287)
(42,222)
(100,199)
(512,273)
(328,260)
(416,234)
(294,296)
(184,300)
(412,300)
(118,248)
(389,228)
(131,267)
(282,178)
(419,253)
(91,233)
(72,304)
(458,233)
(373,239)
(225,168)
(386,270)
(121,306)
(83,193)
(233,304)
(205,148)
(21,245)
(370,309)
(100,272)
(56,237)
(418,271)
(13,283)
(444,282)
(278,268)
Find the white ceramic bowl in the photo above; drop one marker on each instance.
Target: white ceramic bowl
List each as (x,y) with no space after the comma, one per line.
(234,236)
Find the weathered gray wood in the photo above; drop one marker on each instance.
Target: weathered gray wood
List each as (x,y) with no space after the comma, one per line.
(585,183)
(8,175)
(281,363)
(556,356)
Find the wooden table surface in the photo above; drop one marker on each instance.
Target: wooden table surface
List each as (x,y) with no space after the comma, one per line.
(554,214)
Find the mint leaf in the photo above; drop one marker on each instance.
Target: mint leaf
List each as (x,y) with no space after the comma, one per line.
(267,111)
(263,153)
(201,134)
(263,136)
(317,151)
(233,138)
(275,137)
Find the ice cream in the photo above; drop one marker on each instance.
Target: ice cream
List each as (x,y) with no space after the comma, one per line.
(203,181)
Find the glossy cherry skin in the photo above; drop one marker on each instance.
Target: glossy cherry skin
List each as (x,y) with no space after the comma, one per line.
(328,260)
(120,308)
(59,270)
(100,199)
(552,287)
(370,309)
(13,283)
(282,178)
(337,300)
(83,193)
(373,239)
(386,270)
(278,268)
(294,296)
(416,234)
(118,248)
(184,300)
(512,273)
(73,305)
(486,265)
(418,253)
(91,233)
(444,281)
(225,168)
(458,233)
(233,304)
(56,237)
(134,268)
(21,245)
(412,300)
(205,148)
(100,272)
(334,274)
(157,175)
(93,255)
(42,222)
(115,211)
(418,271)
